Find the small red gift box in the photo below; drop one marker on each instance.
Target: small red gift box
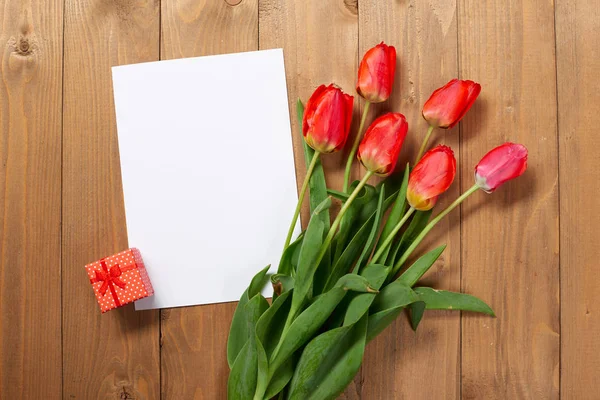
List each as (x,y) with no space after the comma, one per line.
(119,279)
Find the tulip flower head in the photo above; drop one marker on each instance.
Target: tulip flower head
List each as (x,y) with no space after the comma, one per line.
(448,104)
(376,73)
(381,145)
(501,164)
(327,119)
(431,177)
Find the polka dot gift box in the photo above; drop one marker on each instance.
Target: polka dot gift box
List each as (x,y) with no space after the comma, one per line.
(119,279)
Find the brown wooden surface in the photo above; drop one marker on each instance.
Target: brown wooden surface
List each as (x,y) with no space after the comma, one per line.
(528,249)
(578,63)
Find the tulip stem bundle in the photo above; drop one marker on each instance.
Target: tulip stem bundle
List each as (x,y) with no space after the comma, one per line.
(330,296)
(355,146)
(309,171)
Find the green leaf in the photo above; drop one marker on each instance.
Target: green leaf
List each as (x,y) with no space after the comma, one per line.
(396,294)
(365,196)
(388,304)
(281,378)
(258,282)
(374,229)
(311,319)
(396,214)
(271,323)
(338,195)
(268,333)
(244,372)
(317,187)
(421,266)
(345,261)
(313,239)
(381,320)
(241,383)
(329,363)
(445,300)
(287,265)
(416,313)
(359,303)
(281,284)
(417,224)
(238,332)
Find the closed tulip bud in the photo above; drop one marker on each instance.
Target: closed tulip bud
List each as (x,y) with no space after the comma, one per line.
(376,73)
(431,177)
(327,119)
(382,142)
(501,164)
(448,104)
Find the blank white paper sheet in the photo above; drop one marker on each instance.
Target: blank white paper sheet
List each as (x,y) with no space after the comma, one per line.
(208,171)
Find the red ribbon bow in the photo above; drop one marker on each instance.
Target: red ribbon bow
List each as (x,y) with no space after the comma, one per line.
(109,278)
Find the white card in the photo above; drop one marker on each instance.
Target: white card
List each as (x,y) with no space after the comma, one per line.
(208,171)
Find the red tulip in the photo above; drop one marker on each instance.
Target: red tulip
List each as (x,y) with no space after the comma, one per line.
(431,177)
(382,142)
(501,164)
(376,73)
(448,104)
(327,119)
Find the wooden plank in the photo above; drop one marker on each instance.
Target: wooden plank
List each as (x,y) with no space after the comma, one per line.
(578,65)
(193,352)
(319,41)
(30,162)
(510,238)
(115,355)
(424,34)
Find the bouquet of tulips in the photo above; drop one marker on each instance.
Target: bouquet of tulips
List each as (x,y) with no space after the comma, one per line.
(342,282)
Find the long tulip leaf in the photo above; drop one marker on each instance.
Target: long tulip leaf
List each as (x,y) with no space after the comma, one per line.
(286,265)
(396,214)
(281,378)
(338,195)
(313,239)
(381,320)
(311,319)
(271,323)
(374,229)
(416,313)
(421,266)
(359,303)
(244,372)
(396,294)
(445,300)
(388,304)
(238,332)
(329,362)
(344,262)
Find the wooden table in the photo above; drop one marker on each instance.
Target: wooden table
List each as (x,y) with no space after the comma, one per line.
(529,249)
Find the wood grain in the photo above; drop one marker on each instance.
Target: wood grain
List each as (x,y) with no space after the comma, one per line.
(194,339)
(115,355)
(578,66)
(30,162)
(510,238)
(424,34)
(319,41)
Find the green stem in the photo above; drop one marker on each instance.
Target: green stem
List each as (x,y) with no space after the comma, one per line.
(309,172)
(355,147)
(424,144)
(340,215)
(330,235)
(392,234)
(430,226)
